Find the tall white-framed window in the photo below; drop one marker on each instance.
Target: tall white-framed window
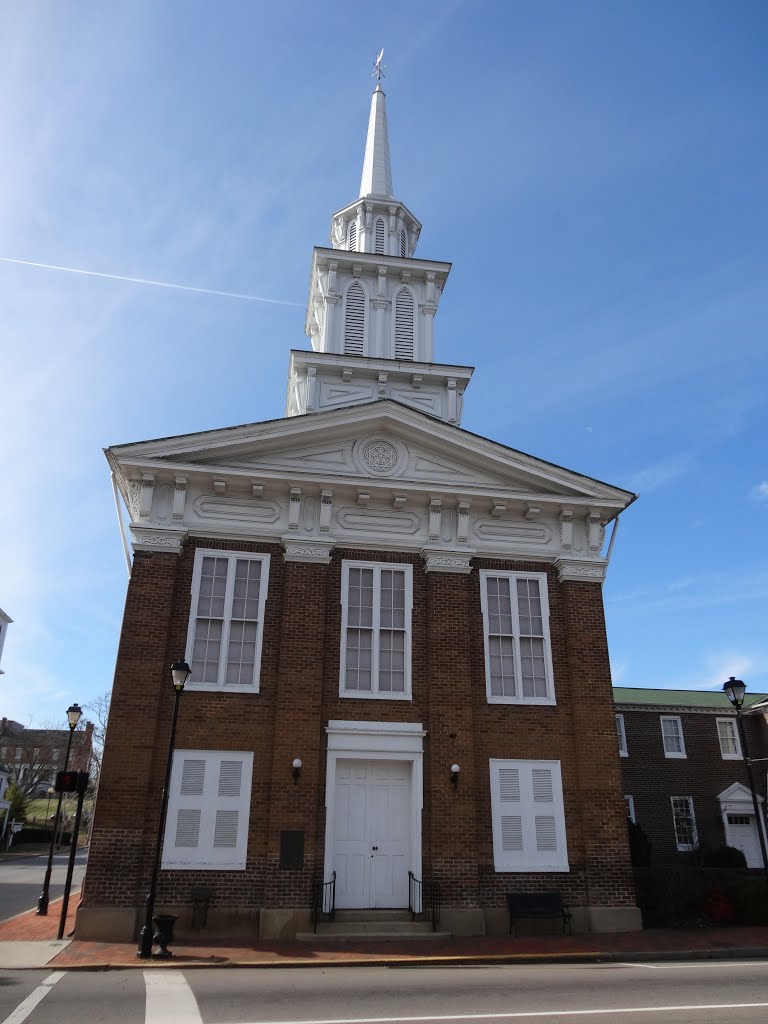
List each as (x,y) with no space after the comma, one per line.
(376,600)
(352,236)
(379,236)
(684,822)
(518,658)
(226,622)
(728,734)
(630,801)
(621,733)
(527,816)
(354,320)
(209,800)
(404,324)
(672,736)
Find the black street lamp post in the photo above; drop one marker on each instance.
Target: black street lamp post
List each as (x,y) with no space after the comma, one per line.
(180,672)
(734,691)
(73,717)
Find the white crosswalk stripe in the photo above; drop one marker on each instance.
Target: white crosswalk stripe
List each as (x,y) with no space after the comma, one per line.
(26,1007)
(169,998)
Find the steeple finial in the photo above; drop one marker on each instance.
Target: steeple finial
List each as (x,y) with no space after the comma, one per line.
(377,169)
(378,67)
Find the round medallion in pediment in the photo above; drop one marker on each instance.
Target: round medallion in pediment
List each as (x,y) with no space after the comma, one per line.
(379,456)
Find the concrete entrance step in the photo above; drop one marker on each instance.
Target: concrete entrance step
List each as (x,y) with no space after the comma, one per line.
(353,934)
(371,926)
(397,914)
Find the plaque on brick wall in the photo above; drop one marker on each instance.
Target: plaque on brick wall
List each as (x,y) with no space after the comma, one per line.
(292,849)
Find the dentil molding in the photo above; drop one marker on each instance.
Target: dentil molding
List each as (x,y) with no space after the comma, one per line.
(580,570)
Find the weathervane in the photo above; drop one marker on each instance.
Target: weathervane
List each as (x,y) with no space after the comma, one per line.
(378,68)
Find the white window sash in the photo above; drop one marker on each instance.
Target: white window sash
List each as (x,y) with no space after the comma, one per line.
(679,733)
(232,558)
(375,693)
(622,736)
(513,577)
(205,855)
(528,858)
(684,847)
(730,728)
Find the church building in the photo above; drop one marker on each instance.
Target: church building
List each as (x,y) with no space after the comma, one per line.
(400,692)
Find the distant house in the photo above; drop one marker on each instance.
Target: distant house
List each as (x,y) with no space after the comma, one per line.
(33,756)
(685,778)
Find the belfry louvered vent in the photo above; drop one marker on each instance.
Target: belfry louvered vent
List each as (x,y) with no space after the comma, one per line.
(403,244)
(404,325)
(354,321)
(352,237)
(379,236)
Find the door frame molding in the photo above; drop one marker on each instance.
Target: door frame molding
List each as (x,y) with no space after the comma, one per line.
(376,741)
(737,799)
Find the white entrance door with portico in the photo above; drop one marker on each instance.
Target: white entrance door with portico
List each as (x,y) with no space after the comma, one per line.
(738,811)
(373,821)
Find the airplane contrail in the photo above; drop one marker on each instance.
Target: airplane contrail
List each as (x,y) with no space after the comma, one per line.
(157,284)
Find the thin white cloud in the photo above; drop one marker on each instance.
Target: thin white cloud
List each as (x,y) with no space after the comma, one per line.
(156,284)
(761,491)
(659,473)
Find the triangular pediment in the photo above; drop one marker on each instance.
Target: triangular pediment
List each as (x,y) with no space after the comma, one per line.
(737,792)
(381,442)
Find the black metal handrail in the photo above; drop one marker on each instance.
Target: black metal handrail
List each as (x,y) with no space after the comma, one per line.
(423,900)
(323,900)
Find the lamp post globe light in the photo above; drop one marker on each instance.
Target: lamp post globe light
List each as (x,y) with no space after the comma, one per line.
(734,690)
(74,711)
(180,672)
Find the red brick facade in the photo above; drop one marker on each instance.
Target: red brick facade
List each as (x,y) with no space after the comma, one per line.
(299,694)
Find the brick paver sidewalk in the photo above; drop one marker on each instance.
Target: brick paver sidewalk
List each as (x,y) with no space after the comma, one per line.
(661,943)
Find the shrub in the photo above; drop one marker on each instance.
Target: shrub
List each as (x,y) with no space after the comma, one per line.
(39,835)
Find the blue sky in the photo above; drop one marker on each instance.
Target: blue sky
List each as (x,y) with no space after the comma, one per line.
(595,171)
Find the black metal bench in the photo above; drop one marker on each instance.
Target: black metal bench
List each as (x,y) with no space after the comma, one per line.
(537,904)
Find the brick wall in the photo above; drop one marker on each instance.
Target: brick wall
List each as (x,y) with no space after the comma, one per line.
(299,694)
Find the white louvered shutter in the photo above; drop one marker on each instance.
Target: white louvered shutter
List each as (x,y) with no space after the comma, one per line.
(379,235)
(403,243)
(208,810)
(404,324)
(354,321)
(528,818)
(352,237)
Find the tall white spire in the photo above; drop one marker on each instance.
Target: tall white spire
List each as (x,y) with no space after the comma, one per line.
(377,169)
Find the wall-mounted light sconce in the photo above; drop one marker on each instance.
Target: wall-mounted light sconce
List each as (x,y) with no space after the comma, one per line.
(455,769)
(296,769)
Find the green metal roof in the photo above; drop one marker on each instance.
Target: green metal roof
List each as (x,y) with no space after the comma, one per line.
(680,698)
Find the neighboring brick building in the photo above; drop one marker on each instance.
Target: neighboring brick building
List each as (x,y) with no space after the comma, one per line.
(410,610)
(685,779)
(33,756)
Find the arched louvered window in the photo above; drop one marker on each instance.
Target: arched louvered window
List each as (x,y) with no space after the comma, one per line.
(352,237)
(354,320)
(403,242)
(379,235)
(404,323)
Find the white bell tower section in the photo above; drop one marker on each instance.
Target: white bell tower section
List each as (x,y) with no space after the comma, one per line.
(372,304)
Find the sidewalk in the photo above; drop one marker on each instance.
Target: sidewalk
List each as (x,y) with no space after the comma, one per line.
(29,941)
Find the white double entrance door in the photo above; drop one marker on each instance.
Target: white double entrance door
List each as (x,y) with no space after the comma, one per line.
(371,833)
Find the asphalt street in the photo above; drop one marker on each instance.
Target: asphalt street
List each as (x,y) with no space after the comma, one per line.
(712,992)
(21,879)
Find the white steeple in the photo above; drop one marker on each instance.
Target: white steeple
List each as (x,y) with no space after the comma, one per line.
(372,305)
(377,169)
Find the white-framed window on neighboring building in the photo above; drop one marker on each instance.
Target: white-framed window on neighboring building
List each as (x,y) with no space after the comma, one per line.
(621,733)
(527,814)
(728,734)
(684,822)
(630,801)
(518,658)
(672,736)
(209,800)
(226,622)
(377,600)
